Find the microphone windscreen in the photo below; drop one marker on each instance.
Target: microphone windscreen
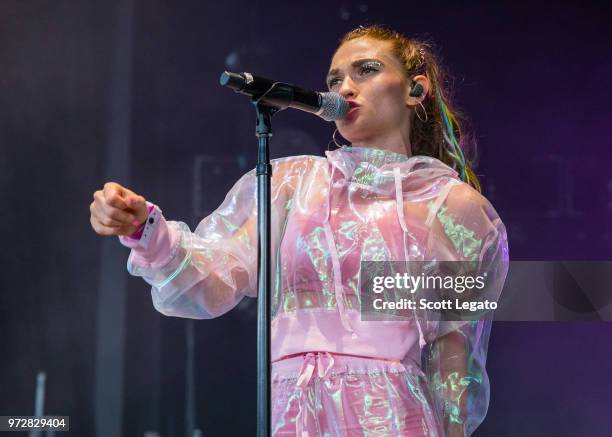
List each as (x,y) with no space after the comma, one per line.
(333,106)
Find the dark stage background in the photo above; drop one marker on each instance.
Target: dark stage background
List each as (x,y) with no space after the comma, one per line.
(128,91)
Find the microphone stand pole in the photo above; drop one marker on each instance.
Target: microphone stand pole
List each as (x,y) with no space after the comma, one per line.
(264,177)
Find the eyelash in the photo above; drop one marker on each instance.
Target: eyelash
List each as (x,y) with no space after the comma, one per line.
(367,67)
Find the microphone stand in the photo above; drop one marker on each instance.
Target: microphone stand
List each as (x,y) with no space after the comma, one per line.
(269,103)
(264,176)
(277,97)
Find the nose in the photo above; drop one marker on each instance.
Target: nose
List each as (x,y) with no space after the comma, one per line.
(347,88)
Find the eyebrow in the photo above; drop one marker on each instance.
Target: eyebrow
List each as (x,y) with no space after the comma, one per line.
(356,63)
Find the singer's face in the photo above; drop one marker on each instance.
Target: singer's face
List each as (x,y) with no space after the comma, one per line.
(366,73)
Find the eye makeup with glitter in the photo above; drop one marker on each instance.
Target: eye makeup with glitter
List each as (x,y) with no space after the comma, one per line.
(369,66)
(363,67)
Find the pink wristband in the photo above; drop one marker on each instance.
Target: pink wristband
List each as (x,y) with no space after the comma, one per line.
(138,234)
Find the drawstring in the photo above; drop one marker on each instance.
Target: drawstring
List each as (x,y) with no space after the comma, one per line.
(311,360)
(335,261)
(323,363)
(438,203)
(399,201)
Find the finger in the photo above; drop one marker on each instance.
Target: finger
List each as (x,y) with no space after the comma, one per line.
(97,212)
(114,195)
(116,201)
(110,187)
(101,229)
(109,212)
(110,216)
(138,206)
(136,202)
(107,221)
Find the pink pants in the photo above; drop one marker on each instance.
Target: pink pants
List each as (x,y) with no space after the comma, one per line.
(332,395)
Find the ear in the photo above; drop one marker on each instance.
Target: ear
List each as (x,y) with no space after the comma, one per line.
(423,81)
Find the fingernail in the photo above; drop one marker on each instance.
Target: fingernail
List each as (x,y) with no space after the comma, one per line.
(136,222)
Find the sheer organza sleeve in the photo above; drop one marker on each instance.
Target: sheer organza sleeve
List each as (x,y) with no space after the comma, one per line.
(206,273)
(467,228)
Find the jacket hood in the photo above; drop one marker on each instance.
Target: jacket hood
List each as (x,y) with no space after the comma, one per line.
(373,171)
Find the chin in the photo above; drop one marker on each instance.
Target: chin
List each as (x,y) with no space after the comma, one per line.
(352,135)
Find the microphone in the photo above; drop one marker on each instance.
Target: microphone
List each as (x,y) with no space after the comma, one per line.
(328,106)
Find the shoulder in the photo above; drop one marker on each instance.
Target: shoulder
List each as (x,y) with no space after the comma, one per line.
(462,194)
(296,165)
(464,199)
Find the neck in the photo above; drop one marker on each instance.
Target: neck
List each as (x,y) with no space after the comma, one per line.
(397,142)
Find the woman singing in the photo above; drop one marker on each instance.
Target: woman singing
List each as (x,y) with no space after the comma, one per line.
(403,191)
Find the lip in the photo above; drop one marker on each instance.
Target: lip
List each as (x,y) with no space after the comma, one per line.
(353,104)
(351,114)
